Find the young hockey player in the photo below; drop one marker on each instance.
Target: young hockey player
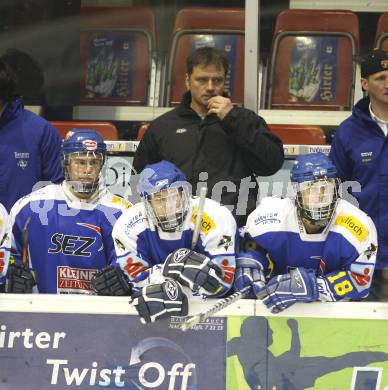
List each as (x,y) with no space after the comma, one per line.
(63,232)
(155,252)
(316,247)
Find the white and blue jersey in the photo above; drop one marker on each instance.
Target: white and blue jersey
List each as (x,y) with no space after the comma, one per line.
(4,249)
(141,248)
(68,239)
(343,255)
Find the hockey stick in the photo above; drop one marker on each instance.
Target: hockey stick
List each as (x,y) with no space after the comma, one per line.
(221,304)
(198,220)
(25,237)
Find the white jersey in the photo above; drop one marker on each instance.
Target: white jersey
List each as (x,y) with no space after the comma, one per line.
(343,254)
(142,249)
(4,249)
(68,239)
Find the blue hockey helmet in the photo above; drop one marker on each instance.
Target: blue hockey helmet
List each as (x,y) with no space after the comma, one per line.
(165,194)
(83,140)
(315,180)
(312,166)
(86,150)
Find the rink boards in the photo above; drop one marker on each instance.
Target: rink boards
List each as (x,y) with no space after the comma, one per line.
(83,342)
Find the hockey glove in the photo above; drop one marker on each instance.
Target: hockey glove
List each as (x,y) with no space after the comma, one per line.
(111,280)
(283,291)
(194,270)
(20,279)
(159,301)
(249,272)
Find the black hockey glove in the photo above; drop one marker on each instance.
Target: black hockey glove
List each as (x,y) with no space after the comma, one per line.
(194,270)
(20,279)
(112,281)
(160,301)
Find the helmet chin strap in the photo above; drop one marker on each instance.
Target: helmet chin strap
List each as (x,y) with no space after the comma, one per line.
(316,226)
(83,188)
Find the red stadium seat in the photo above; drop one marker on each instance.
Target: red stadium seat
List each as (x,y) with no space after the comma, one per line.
(299,134)
(382,32)
(116,53)
(107,130)
(311,63)
(197,27)
(142,130)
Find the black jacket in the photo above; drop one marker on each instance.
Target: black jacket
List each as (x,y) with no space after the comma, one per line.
(229,150)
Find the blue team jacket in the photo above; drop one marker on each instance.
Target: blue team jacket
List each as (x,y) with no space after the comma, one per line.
(29,152)
(360,153)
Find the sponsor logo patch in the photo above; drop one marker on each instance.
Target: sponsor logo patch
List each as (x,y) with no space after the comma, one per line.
(134,267)
(267,219)
(353,225)
(121,201)
(22,159)
(207,224)
(137,218)
(366,157)
(2,262)
(74,280)
(362,280)
(225,242)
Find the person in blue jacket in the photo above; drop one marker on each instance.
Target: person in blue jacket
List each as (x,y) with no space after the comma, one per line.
(29,145)
(360,153)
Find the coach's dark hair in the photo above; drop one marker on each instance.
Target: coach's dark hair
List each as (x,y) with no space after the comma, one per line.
(7,82)
(206,56)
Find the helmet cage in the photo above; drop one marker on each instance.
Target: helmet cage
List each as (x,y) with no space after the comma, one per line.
(81,186)
(316,199)
(169,207)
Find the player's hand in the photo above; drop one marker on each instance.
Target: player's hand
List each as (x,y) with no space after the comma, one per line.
(249,272)
(219,105)
(157,301)
(194,270)
(20,279)
(283,291)
(112,281)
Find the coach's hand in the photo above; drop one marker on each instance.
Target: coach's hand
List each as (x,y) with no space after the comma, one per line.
(219,105)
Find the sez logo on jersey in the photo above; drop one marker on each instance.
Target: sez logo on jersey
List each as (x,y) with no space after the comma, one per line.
(71,245)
